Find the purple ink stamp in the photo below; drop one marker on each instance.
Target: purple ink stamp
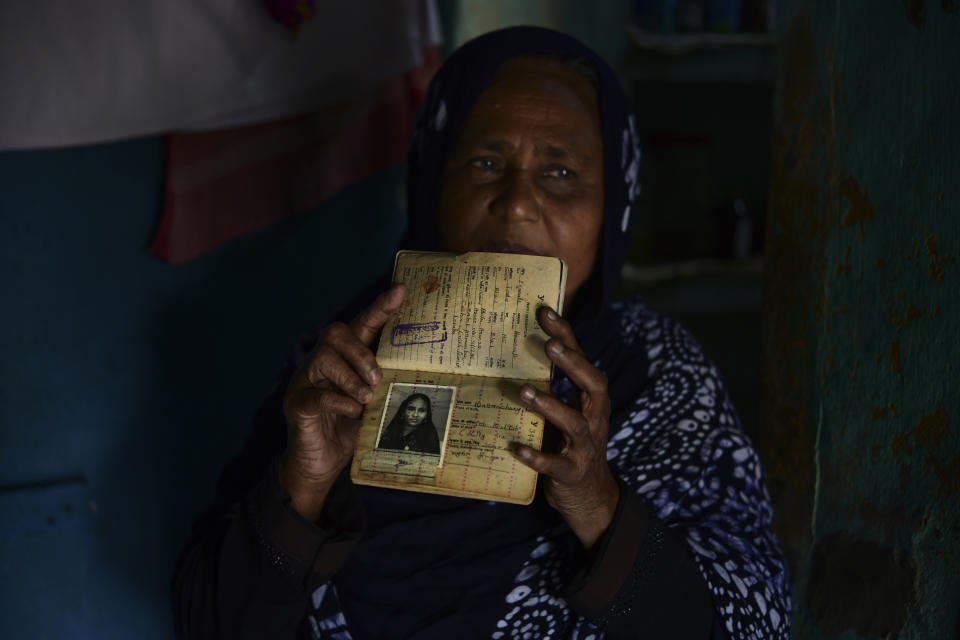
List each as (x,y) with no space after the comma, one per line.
(404,335)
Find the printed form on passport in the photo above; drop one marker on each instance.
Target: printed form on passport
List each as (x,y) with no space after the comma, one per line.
(453,358)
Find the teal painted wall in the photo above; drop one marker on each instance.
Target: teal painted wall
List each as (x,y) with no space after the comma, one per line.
(126,383)
(860,426)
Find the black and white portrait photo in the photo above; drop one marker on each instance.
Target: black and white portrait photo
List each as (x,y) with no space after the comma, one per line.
(415,418)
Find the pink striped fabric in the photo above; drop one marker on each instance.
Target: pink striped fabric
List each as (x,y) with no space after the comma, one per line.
(224,184)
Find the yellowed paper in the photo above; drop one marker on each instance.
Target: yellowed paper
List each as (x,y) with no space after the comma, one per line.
(458,351)
(485,418)
(472,313)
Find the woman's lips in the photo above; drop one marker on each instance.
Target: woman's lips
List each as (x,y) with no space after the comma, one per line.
(508,247)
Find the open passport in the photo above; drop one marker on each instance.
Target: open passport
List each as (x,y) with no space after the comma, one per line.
(453,359)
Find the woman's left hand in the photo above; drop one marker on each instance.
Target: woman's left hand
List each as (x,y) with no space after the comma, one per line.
(579,482)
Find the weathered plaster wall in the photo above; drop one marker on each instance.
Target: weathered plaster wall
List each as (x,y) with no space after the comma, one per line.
(860,426)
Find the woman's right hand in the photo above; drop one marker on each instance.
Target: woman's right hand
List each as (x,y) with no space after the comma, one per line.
(325,400)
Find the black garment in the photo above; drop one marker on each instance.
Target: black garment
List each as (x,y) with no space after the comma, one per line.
(423,439)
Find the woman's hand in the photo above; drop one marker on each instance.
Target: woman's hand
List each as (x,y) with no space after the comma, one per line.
(579,482)
(325,400)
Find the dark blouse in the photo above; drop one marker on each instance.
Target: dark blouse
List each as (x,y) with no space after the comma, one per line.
(422,439)
(689,553)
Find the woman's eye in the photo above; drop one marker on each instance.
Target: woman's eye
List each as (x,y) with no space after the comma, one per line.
(485,164)
(560,173)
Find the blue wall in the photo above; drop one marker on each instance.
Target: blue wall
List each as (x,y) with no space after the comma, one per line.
(125,383)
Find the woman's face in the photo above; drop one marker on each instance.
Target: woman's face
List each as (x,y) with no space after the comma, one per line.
(416,411)
(526,172)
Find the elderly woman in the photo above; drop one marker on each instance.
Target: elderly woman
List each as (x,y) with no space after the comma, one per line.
(653,520)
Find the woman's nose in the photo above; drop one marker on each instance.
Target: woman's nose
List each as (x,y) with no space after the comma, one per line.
(518,200)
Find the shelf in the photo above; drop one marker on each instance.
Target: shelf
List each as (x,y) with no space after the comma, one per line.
(684,43)
(696,287)
(700,58)
(655,274)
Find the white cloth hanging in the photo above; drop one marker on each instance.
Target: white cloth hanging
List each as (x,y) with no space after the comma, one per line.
(85,72)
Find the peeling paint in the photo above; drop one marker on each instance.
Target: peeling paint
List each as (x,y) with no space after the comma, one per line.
(949,478)
(929,434)
(894,316)
(912,314)
(879,413)
(860,208)
(843,269)
(936,270)
(901,444)
(905,471)
(916,14)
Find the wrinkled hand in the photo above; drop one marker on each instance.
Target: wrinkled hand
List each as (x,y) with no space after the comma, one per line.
(579,483)
(325,400)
